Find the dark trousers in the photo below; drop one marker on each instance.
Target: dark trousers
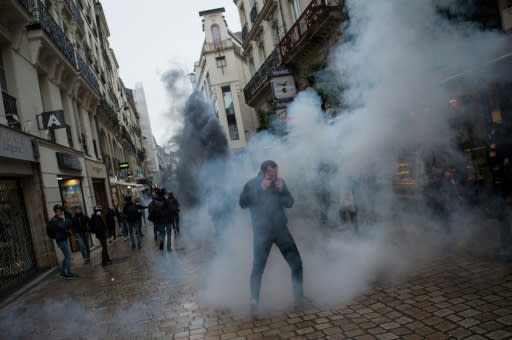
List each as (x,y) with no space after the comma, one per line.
(112,229)
(349,216)
(104,250)
(262,246)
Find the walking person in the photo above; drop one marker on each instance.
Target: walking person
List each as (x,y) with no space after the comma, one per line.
(59,229)
(99,228)
(133,217)
(160,214)
(111,223)
(266,196)
(123,224)
(174,206)
(80,228)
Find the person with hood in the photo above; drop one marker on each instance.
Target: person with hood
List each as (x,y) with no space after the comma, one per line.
(59,229)
(160,214)
(80,228)
(133,216)
(99,228)
(266,196)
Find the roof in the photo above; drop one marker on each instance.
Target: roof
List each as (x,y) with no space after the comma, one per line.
(211,11)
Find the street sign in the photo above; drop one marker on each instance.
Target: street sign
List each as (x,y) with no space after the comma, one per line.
(52,120)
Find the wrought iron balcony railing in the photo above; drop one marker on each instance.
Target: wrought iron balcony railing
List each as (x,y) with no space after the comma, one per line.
(262,75)
(87,74)
(317,11)
(11,111)
(76,12)
(43,20)
(111,114)
(254,13)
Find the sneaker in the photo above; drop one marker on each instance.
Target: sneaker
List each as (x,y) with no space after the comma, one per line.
(126,238)
(86,261)
(169,249)
(139,246)
(72,276)
(62,276)
(133,246)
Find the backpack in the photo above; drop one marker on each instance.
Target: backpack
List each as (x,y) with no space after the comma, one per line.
(51,231)
(155,210)
(132,212)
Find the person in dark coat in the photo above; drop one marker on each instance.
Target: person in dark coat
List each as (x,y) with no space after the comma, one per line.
(80,228)
(174,207)
(134,218)
(266,196)
(111,223)
(99,228)
(161,216)
(62,230)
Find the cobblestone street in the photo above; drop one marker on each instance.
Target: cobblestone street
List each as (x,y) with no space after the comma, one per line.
(150,294)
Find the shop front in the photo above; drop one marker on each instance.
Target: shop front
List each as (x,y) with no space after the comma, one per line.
(19,189)
(98,174)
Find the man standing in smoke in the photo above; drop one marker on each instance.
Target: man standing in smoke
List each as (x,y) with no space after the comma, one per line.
(266,196)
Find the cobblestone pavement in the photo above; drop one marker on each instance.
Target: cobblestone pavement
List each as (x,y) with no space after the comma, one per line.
(151,294)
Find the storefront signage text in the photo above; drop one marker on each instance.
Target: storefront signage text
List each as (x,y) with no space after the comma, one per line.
(124,165)
(15,145)
(52,120)
(68,161)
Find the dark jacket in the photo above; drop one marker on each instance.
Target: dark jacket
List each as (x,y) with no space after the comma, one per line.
(111,213)
(266,206)
(98,226)
(80,224)
(62,228)
(160,210)
(127,211)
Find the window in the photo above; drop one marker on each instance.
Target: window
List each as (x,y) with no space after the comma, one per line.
(228,100)
(217,39)
(295,9)
(275,33)
(3,79)
(230,113)
(221,61)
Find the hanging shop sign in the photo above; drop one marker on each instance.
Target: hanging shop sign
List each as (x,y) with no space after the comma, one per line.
(51,120)
(68,161)
(283,85)
(15,145)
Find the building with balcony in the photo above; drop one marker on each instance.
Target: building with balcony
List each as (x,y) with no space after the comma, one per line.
(66,122)
(221,74)
(285,37)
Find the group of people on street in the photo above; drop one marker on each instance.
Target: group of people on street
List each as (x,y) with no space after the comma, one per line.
(164,213)
(81,226)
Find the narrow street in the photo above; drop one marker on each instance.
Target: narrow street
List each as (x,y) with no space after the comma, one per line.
(152,294)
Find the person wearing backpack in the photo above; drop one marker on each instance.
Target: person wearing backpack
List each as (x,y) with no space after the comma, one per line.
(59,229)
(133,217)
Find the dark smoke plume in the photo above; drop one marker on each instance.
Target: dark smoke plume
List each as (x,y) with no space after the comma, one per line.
(202,141)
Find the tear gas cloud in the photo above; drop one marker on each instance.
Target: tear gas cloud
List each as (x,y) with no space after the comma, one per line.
(390,65)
